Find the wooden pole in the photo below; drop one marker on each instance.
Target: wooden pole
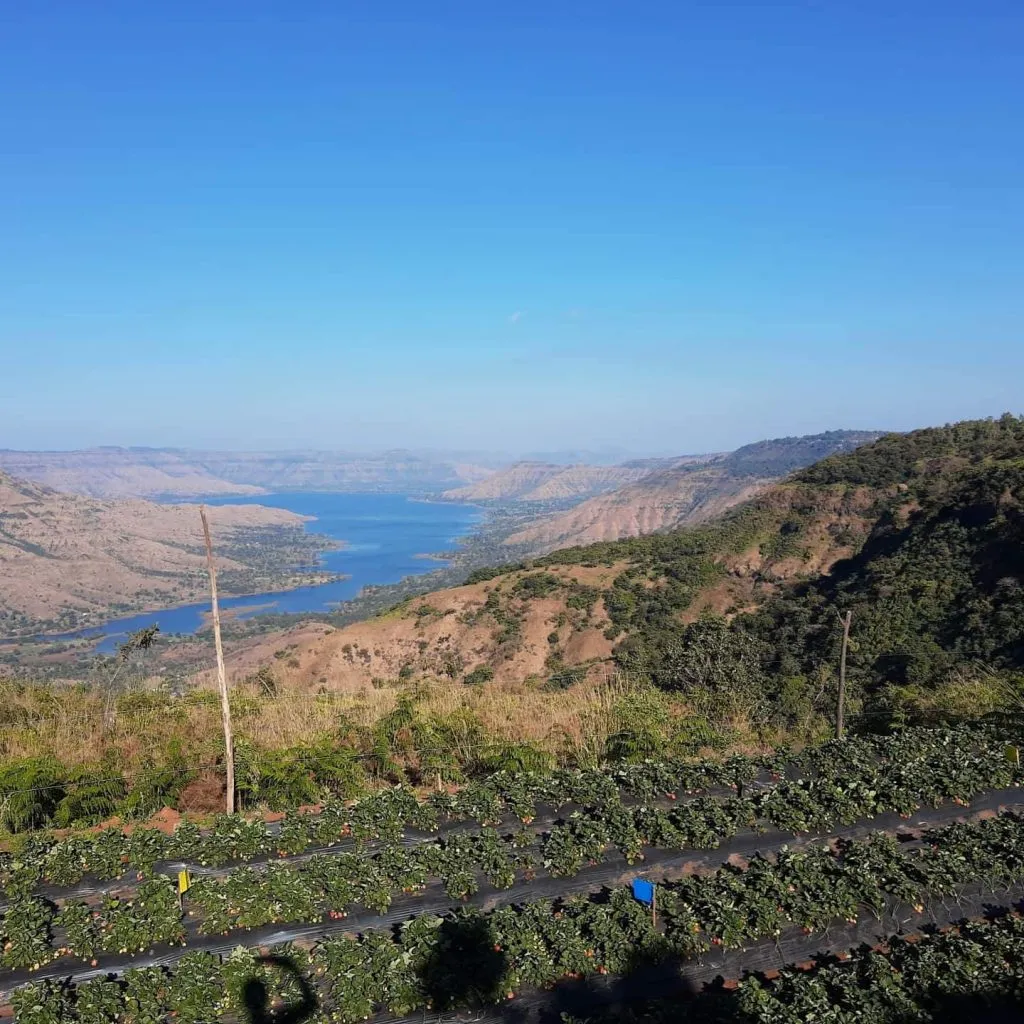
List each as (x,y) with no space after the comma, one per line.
(225,706)
(654,906)
(842,675)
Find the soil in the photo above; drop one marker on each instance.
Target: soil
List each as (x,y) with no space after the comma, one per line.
(205,795)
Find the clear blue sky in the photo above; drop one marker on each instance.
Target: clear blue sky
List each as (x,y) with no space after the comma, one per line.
(662,226)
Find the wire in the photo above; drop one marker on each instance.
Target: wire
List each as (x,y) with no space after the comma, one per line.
(212,702)
(300,757)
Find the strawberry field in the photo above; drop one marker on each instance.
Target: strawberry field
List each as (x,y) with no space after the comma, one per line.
(518,886)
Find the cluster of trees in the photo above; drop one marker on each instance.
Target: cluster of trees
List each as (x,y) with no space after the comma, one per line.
(936,589)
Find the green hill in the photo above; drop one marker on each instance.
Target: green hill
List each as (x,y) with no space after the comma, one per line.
(919,535)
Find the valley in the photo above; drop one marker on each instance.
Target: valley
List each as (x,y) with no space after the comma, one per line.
(528,508)
(68,561)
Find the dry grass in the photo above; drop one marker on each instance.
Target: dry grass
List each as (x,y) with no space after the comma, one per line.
(69,725)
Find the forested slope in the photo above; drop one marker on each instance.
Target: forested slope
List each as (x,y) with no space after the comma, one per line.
(919,535)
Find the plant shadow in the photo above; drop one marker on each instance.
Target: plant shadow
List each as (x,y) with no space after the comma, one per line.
(257,999)
(466,968)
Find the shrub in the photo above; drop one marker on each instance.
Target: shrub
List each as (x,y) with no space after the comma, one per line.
(480,675)
(516,757)
(566,678)
(538,584)
(30,791)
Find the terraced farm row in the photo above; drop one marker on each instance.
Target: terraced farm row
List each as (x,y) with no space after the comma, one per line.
(824,838)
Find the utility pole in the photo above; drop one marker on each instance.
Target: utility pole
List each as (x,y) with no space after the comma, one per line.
(225,706)
(845,620)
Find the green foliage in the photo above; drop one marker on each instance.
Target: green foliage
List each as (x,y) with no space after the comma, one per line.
(158,784)
(30,792)
(285,778)
(934,594)
(490,572)
(480,675)
(92,795)
(452,962)
(517,757)
(922,455)
(936,587)
(582,597)
(537,584)
(565,678)
(782,455)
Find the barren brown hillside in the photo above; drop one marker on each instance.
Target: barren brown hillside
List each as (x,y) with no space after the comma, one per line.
(541,481)
(66,559)
(524,625)
(691,490)
(671,498)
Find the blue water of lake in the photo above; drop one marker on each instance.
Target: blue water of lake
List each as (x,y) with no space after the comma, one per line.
(382,534)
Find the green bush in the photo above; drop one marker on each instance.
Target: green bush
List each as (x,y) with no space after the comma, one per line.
(566,678)
(538,584)
(480,675)
(516,757)
(94,792)
(30,792)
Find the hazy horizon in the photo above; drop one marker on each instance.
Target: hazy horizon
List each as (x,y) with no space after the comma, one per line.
(600,455)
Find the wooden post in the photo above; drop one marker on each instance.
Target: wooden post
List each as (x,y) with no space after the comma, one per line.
(654,906)
(225,706)
(842,675)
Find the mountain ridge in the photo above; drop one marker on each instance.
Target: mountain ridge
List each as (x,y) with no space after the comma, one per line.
(544,481)
(687,492)
(115,472)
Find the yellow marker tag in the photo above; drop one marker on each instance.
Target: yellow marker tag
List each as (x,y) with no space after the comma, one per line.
(183,882)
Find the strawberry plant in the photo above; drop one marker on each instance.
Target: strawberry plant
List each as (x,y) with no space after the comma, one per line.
(461,959)
(25,933)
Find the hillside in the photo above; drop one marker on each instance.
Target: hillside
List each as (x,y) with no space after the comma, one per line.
(685,493)
(156,472)
(526,626)
(119,473)
(541,481)
(919,535)
(68,560)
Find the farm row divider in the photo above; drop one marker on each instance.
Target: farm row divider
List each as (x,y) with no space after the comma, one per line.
(613,872)
(547,818)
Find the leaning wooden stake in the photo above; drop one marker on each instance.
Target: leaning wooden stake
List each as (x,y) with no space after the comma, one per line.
(842,675)
(225,706)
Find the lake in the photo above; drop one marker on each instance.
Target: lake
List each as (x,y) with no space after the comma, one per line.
(382,534)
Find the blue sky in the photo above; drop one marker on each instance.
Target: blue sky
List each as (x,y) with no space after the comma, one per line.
(660,226)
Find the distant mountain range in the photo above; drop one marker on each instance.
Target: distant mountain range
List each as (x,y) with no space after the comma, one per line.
(546,481)
(688,490)
(181,473)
